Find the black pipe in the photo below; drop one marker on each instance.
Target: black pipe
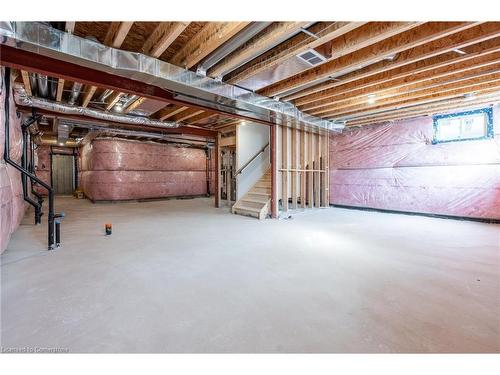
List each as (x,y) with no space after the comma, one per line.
(24,163)
(8,160)
(58,233)
(32,170)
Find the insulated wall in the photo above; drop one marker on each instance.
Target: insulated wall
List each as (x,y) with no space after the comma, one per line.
(12,205)
(117,169)
(395,166)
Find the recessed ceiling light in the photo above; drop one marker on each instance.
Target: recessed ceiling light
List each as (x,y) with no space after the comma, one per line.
(371,99)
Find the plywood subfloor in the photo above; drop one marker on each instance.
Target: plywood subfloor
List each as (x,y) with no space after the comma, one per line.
(182,276)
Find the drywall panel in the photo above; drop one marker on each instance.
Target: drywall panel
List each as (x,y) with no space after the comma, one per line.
(250,138)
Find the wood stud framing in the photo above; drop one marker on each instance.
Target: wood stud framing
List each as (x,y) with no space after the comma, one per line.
(304,168)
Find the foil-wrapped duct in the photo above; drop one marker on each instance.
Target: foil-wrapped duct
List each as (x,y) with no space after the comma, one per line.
(21,98)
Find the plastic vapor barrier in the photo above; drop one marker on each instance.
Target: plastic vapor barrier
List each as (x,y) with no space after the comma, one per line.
(12,206)
(117,169)
(396,167)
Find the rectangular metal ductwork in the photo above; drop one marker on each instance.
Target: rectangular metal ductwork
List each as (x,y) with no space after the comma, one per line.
(41,39)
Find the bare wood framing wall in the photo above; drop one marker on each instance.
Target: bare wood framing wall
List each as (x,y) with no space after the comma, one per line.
(303,165)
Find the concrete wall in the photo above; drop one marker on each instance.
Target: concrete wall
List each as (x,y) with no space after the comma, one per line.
(395,166)
(12,206)
(114,169)
(250,138)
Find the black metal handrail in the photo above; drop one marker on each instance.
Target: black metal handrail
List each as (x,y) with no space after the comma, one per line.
(252,159)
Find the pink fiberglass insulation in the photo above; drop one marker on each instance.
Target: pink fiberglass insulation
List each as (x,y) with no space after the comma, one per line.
(396,167)
(12,206)
(127,155)
(114,169)
(122,185)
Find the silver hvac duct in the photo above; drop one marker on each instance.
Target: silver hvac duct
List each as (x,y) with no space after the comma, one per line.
(21,98)
(129,100)
(186,85)
(52,88)
(107,129)
(75,93)
(242,37)
(63,131)
(34,83)
(43,85)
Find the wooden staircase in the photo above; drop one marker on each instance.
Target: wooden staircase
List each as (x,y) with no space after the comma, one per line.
(257,201)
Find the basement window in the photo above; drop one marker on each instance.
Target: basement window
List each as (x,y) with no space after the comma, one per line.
(463,126)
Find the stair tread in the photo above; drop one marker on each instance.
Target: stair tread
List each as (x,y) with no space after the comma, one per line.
(247,208)
(260,193)
(256,201)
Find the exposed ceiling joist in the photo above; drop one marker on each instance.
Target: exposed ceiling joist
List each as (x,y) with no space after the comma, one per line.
(386,106)
(112,100)
(417,92)
(434,67)
(136,103)
(69,27)
(324,31)
(368,55)
(162,37)
(212,36)
(187,114)
(201,117)
(88,95)
(60,89)
(167,112)
(422,110)
(485,36)
(26,81)
(272,35)
(117,33)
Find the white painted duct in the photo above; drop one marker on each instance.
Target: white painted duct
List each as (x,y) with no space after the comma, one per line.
(21,98)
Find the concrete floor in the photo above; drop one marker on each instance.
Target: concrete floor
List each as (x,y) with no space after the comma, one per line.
(182,276)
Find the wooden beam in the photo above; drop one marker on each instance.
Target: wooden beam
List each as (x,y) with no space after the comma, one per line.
(424,110)
(228,141)
(481,39)
(293,175)
(210,37)
(69,27)
(310,167)
(136,103)
(167,112)
(217,170)
(416,90)
(202,116)
(117,32)
(60,89)
(26,81)
(368,55)
(112,99)
(448,72)
(88,96)
(431,98)
(284,166)
(324,31)
(317,190)
(186,114)
(162,37)
(274,171)
(272,35)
